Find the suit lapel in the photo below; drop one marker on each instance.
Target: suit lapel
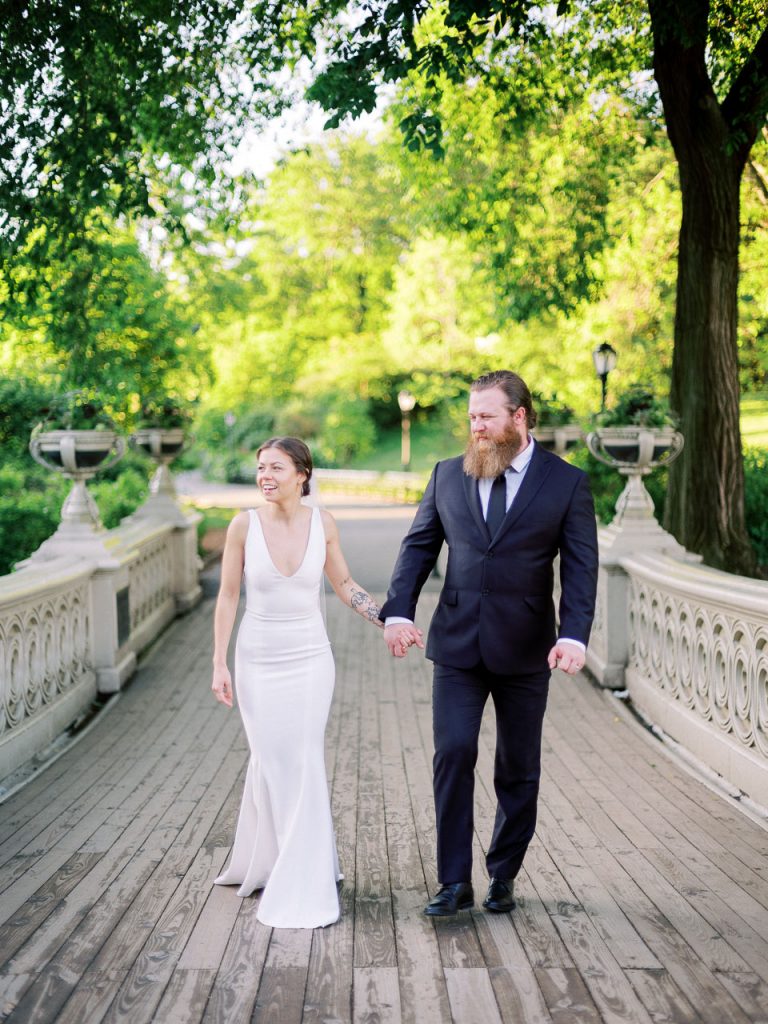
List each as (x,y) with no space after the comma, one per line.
(536,474)
(473,500)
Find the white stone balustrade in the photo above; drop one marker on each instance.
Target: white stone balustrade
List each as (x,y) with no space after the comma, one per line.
(698,663)
(71,626)
(47,676)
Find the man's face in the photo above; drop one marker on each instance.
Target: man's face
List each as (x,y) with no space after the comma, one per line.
(496,434)
(491,421)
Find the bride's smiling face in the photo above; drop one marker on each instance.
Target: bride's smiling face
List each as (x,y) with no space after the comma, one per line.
(277,475)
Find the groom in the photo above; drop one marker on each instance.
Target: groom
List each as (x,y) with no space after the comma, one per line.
(506,510)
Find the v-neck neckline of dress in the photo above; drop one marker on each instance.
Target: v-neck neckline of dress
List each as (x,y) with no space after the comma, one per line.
(282,575)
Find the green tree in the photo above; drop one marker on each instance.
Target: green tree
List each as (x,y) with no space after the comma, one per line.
(710,62)
(104,97)
(104,319)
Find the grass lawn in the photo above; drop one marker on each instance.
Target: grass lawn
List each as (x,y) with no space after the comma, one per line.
(430,441)
(754,420)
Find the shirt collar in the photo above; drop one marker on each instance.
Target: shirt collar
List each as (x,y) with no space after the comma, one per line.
(521,460)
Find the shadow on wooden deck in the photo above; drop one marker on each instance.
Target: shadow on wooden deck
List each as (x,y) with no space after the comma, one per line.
(644,896)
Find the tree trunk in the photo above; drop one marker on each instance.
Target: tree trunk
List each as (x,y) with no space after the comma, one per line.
(705,499)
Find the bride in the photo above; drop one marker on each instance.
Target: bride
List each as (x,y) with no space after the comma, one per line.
(284,670)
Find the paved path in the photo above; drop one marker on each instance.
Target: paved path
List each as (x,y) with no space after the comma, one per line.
(644,896)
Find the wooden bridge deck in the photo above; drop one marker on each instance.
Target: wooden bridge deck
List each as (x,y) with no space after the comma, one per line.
(644,895)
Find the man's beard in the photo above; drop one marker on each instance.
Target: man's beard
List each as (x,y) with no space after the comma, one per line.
(485,459)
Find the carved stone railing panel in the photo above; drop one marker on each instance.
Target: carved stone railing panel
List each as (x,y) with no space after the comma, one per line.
(47,673)
(698,658)
(151,579)
(44,648)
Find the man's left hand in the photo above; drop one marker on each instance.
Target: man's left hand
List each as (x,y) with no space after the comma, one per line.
(567,657)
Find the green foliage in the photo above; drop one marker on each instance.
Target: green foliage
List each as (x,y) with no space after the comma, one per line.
(106,96)
(81,409)
(164,411)
(102,319)
(639,406)
(118,498)
(31,500)
(26,520)
(346,432)
(551,412)
(756,500)
(21,400)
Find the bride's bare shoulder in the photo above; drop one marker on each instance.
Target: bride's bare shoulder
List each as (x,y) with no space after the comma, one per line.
(329,523)
(238,527)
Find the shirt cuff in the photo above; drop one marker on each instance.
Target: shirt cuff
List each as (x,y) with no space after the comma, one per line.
(393,620)
(576,643)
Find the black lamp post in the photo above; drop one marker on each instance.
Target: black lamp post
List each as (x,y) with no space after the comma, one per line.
(604,357)
(406,401)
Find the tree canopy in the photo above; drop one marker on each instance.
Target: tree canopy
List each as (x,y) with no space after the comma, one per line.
(547,120)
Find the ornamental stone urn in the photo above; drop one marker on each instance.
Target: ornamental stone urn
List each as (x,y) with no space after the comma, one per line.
(635,451)
(78,455)
(162,445)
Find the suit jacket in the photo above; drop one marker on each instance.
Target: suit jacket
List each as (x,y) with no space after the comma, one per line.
(497,600)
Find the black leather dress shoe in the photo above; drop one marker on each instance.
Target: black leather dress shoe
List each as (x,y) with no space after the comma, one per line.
(450,899)
(501,896)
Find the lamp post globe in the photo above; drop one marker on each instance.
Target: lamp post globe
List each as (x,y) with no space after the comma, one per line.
(406,401)
(604,358)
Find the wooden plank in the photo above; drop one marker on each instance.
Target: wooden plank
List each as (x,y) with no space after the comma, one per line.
(423,990)
(210,934)
(328,996)
(92,997)
(185,997)
(471,995)
(43,998)
(374,928)
(695,980)
(749,991)
(606,914)
(709,945)
(518,995)
(750,942)
(118,920)
(683,788)
(98,904)
(376,996)
(234,990)
(567,996)
(41,904)
(607,984)
(280,997)
(661,996)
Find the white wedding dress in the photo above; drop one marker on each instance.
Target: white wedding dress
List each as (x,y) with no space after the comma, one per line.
(284,677)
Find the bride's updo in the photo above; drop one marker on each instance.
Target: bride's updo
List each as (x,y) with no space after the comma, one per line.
(297,452)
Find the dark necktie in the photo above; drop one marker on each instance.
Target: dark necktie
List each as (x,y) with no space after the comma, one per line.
(497,505)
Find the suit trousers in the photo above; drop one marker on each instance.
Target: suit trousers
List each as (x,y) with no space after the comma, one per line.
(458,699)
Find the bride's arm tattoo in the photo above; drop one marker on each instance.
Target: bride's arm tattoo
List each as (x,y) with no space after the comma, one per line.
(360,601)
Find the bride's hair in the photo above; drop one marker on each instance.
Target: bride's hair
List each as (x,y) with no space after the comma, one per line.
(297,452)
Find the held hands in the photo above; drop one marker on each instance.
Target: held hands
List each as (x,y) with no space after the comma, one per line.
(222,685)
(400,636)
(567,657)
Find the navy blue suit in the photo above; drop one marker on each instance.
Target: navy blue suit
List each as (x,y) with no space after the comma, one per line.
(490,635)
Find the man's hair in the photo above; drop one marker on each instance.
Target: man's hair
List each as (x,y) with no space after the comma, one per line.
(514,387)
